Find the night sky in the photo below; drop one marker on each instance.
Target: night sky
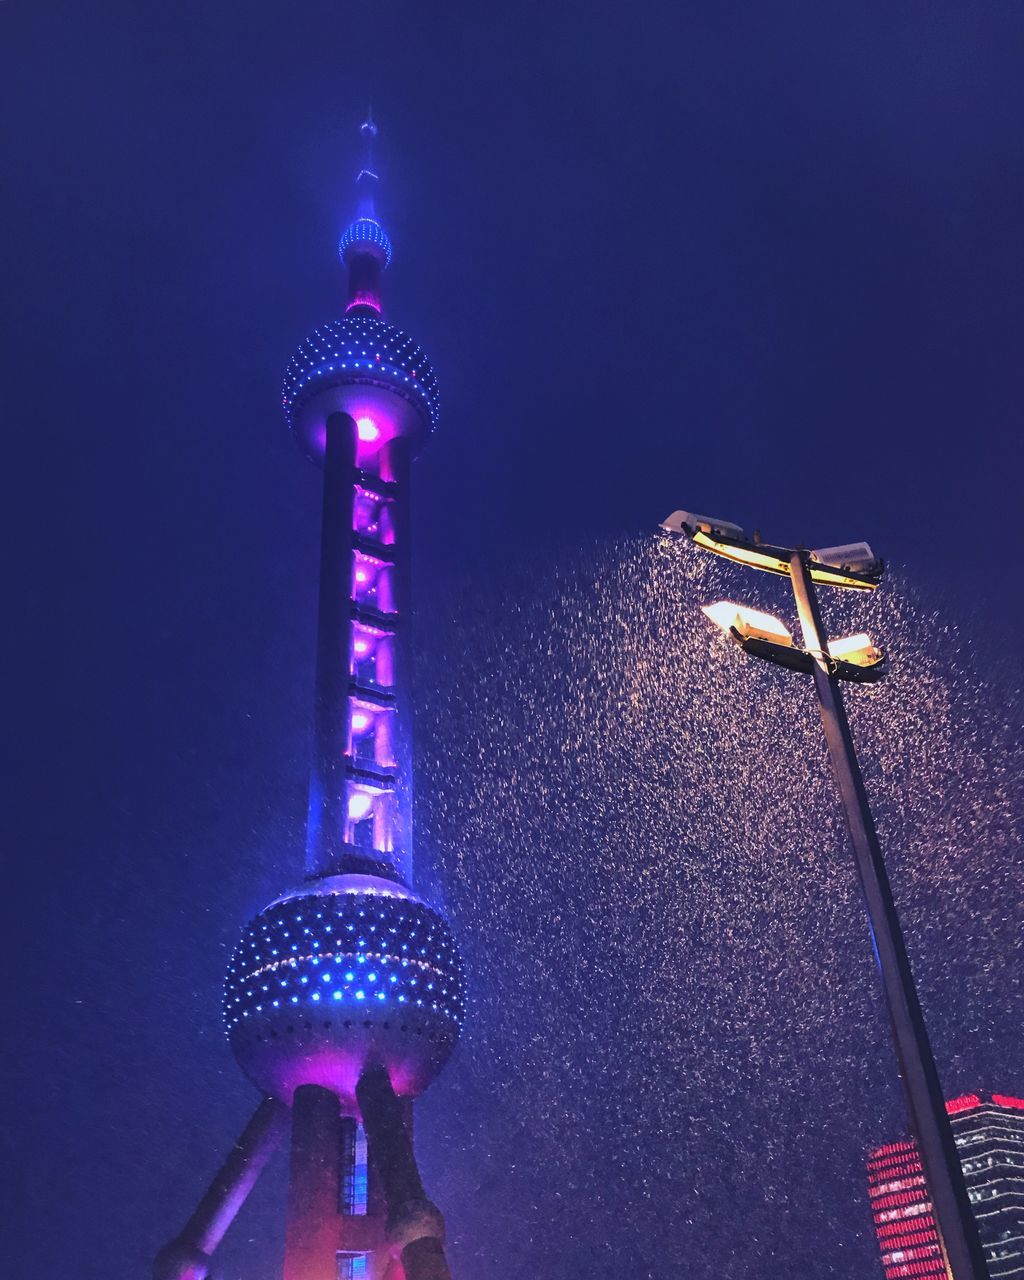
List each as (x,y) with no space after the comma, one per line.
(761,260)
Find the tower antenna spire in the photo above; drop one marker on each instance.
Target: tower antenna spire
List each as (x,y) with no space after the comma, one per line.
(367,177)
(364,247)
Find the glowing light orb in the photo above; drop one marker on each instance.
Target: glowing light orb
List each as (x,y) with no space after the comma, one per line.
(359,805)
(367,429)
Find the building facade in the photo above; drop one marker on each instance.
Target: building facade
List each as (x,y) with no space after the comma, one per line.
(989,1132)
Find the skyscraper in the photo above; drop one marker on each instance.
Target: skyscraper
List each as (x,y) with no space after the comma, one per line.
(989,1133)
(344,997)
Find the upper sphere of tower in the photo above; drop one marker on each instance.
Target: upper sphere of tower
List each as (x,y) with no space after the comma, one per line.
(365,235)
(362,366)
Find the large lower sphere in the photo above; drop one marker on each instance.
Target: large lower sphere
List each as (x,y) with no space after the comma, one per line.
(362,366)
(345,973)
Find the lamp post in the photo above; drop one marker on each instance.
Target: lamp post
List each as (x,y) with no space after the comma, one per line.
(763,636)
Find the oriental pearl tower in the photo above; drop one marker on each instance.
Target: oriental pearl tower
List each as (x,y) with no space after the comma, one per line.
(344,997)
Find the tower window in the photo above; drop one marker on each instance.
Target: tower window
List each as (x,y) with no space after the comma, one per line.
(372,657)
(362,833)
(363,748)
(353,1266)
(369,822)
(354,1169)
(370,735)
(372,583)
(372,517)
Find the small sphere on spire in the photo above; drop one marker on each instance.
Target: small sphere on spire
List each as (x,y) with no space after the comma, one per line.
(365,236)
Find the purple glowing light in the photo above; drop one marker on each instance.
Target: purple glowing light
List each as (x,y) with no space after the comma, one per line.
(361,721)
(363,298)
(367,429)
(371,584)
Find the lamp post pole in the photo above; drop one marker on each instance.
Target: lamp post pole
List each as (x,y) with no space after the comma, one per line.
(958,1231)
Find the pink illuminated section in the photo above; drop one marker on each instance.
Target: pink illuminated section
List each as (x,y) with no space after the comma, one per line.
(906,1232)
(371,583)
(372,656)
(370,818)
(376,426)
(372,517)
(371,729)
(966,1103)
(365,299)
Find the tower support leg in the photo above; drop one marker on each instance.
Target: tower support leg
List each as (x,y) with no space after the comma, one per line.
(415,1227)
(187,1257)
(311,1240)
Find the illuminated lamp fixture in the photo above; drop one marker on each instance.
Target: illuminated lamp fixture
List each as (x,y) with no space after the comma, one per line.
(748,623)
(367,429)
(858,651)
(764,636)
(854,566)
(853,658)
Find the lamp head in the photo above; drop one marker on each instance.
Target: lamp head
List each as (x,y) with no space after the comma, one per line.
(859,650)
(852,557)
(762,635)
(690,523)
(749,624)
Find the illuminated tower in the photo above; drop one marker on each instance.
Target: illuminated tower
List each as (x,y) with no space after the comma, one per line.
(989,1134)
(344,997)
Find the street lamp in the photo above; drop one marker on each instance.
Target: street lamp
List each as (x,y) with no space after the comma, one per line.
(855,658)
(764,636)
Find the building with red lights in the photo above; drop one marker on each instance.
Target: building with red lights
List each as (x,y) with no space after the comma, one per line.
(989,1133)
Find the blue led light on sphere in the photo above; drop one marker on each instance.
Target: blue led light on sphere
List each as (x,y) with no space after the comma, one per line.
(346,972)
(363,234)
(346,360)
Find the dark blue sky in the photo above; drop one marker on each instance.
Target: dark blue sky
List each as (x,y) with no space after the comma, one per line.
(760,260)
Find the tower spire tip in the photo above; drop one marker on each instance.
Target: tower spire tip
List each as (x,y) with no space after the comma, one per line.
(365,247)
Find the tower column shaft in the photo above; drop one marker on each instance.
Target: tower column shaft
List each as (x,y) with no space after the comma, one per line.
(415,1226)
(390,1144)
(424,1259)
(327,782)
(188,1256)
(311,1241)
